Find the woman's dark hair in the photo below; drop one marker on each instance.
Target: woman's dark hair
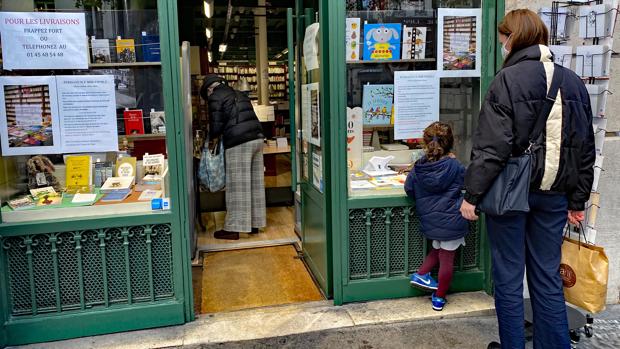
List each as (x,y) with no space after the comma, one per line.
(438,140)
(525,29)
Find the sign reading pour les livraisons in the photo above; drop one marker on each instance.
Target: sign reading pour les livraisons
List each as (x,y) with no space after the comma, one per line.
(43,40)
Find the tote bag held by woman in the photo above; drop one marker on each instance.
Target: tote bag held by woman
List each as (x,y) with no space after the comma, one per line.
(509,193)
(584,270)
(212,170)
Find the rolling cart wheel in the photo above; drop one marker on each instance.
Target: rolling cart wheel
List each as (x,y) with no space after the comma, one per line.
(588,327)
(574,336)
(588,330)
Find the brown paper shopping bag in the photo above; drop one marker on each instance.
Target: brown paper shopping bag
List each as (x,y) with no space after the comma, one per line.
(584,270)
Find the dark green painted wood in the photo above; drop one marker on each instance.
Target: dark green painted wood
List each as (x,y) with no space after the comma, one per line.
(83,323)
(337,159)
(290,37)
(171,75)
(315,224)
(398,287)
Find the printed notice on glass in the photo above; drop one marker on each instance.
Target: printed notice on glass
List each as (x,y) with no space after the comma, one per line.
(416,102)
(87,107)
(43,40)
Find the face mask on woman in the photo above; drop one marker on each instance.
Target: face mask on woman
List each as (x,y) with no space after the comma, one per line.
(505,51)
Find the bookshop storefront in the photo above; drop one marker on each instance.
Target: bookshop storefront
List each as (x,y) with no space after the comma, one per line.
(95,174)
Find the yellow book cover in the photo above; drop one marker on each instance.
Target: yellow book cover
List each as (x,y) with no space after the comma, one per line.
(125,50)
(79,170)
(126,167)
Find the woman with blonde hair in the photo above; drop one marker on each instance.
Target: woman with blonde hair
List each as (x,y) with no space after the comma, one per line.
(530,87)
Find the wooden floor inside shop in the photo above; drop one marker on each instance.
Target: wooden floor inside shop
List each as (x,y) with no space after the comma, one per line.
(251,278)
(280,230)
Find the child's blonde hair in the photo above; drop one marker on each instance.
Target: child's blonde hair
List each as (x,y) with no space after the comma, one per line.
(438,140)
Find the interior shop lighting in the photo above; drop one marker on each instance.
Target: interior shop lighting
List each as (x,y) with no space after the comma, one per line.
(210,56)
(237,18)
(234,30)
(208,8)
(223,48)
(208,33)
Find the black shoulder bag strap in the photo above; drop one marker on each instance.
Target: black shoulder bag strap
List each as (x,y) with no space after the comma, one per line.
(556,82)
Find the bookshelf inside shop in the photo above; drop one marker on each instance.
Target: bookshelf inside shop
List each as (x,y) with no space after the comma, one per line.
(87,138)
(390,49)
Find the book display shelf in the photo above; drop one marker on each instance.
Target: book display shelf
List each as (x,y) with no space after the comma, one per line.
(392,47)
(113,122)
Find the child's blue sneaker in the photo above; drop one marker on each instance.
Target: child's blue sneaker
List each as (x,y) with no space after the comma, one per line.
(425,282)
(437,302)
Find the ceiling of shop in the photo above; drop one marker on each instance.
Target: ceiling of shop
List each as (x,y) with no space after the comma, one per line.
(241,33)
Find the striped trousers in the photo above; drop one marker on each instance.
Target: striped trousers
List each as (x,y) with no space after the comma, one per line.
(245,187)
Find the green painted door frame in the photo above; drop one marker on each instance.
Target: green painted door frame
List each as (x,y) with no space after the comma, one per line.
(67,322)
(340,205)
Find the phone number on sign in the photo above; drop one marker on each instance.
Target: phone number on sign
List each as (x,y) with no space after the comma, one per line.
(43,54)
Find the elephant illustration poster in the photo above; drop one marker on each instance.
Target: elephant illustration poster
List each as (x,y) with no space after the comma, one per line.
(382,41)
(377,104)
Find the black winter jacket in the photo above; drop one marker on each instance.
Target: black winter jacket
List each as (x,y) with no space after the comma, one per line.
(232,116)
(565,161)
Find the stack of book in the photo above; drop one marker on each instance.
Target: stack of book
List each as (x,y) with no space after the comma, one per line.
(116,189)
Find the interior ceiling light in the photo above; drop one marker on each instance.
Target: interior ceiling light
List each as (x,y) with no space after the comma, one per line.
(223,48)
(210,56)
(234,30)
(208,33)
(237,18)
(232,35)
(285,51)
(241,9)
(208,8)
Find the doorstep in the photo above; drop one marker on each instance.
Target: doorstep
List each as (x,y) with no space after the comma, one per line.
(284,320)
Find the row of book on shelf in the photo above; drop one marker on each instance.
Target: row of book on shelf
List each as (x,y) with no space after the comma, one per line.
(104,181)
(134,121)
(125,49)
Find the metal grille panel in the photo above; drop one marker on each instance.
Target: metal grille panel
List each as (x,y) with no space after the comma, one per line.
(66,271)
(397,247)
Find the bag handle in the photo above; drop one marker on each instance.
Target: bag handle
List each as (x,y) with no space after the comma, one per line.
(552,94)
(580,231)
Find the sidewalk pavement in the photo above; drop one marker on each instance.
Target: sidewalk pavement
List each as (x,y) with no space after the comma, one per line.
(306,318)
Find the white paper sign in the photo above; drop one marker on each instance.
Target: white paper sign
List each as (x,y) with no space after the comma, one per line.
(43,40)
(416,102)
(459,42)
(311,47)
(29,123)
(87,106)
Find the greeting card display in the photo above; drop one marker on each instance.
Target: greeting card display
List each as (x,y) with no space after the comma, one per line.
(592,61)
(377,102)
(561,14)
(595,21)
(382,41)
(562,55)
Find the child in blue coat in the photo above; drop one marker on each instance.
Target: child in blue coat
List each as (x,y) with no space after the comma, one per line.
(435,183)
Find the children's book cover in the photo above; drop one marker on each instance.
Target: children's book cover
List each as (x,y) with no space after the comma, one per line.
(377,103)
(382,41)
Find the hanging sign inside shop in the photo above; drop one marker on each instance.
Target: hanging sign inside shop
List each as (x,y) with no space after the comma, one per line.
(57,114)
(416,102)
(43,40)
(311,47)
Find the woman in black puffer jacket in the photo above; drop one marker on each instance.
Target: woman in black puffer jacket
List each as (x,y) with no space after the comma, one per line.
(232,117)
(561,180)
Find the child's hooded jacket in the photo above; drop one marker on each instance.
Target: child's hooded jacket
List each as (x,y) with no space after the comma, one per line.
(436,188)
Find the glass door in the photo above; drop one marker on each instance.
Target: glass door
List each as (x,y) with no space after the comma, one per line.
(307,112)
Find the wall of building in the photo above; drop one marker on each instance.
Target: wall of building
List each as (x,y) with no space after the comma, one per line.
(608,221)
